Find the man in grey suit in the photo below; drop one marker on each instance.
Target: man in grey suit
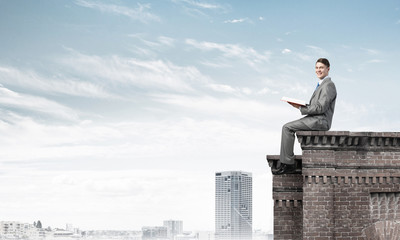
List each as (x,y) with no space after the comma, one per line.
(319,113)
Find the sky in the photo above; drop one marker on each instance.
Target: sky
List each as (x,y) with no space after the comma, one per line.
(117,114)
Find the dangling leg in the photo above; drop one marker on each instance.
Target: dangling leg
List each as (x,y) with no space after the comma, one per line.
(287,142)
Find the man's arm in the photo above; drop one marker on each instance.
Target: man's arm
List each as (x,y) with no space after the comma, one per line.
(327,95)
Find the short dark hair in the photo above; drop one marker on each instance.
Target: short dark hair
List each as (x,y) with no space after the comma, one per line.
(323,61)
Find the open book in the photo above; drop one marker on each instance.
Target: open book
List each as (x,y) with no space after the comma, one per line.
(292,100)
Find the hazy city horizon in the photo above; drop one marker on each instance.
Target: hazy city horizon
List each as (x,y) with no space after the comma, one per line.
(170,229)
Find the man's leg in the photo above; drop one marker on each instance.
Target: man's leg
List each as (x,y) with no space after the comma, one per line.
(287,142)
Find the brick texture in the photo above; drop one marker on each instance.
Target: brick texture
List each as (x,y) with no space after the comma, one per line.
(347,187)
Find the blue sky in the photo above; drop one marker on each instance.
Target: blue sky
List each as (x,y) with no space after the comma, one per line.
(116,114)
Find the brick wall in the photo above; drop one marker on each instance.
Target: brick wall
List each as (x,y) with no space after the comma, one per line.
(347,187)
(288,204)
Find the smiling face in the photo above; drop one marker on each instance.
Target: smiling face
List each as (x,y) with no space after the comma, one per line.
(321,70)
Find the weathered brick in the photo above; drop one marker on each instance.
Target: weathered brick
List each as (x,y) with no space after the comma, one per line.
(349,187)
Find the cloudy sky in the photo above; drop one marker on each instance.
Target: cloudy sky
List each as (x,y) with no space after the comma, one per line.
(117,114)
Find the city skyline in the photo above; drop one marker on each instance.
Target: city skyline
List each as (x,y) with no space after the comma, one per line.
(117,114)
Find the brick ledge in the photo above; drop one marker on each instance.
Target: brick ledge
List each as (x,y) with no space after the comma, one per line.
(345,140)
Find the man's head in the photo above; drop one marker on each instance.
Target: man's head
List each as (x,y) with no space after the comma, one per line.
(322,67)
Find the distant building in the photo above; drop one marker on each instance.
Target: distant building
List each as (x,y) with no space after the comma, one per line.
(57,233)
(174,228)
(206,235)
(187,236)
(69,227)
(15,229)
(233,205)
(112,234)
(27,231)
(155,233)
(19,230)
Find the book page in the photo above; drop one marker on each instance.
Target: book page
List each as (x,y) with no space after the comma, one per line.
(293,100)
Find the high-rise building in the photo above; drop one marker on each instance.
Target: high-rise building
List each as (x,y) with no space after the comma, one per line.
(233,205)
(175,227)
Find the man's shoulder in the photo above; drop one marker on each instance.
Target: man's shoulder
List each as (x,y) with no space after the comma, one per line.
(328,79)
(328,82)
(328,86)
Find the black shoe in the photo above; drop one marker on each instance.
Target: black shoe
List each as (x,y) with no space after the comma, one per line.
(276,168)
(285,169)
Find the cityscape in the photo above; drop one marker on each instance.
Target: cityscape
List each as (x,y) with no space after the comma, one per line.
(233,220)
(150,119)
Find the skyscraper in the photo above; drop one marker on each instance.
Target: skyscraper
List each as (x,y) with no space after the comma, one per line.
(233,205)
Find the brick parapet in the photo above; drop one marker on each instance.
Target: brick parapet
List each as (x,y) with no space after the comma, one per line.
(273,160)
(344,140)
(347,186)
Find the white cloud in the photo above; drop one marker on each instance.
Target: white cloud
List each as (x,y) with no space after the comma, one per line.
(166,40)
(140,13)
(229,89)
(233,51)
(247,91)
(304,57)
(351,116)
(29,103)
(201,8)
(142,51)
(151,74)
(161,41)
(243,110)
(218,64)
(288,83)
(200,4)
(222,88)
(52,85)
(318,51)
(142,144)
(371,51)
(310,53)
(266,90)
(237,20)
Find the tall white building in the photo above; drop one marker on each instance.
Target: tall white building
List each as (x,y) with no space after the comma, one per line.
(233,205)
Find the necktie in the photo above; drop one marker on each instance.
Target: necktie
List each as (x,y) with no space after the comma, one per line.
(317,86)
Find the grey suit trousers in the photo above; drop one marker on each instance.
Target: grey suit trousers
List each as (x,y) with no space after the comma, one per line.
(288,136)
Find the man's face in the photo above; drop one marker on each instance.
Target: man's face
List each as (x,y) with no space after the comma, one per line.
(321,70)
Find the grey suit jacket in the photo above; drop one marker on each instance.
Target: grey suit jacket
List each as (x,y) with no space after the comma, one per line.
(321,107)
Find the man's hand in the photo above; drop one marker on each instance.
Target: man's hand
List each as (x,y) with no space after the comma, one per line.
(295,105)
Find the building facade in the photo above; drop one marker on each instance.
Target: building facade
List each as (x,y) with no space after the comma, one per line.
(15,229)
(347,186)
(233,205)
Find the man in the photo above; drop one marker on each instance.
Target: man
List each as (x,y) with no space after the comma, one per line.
(319,113)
